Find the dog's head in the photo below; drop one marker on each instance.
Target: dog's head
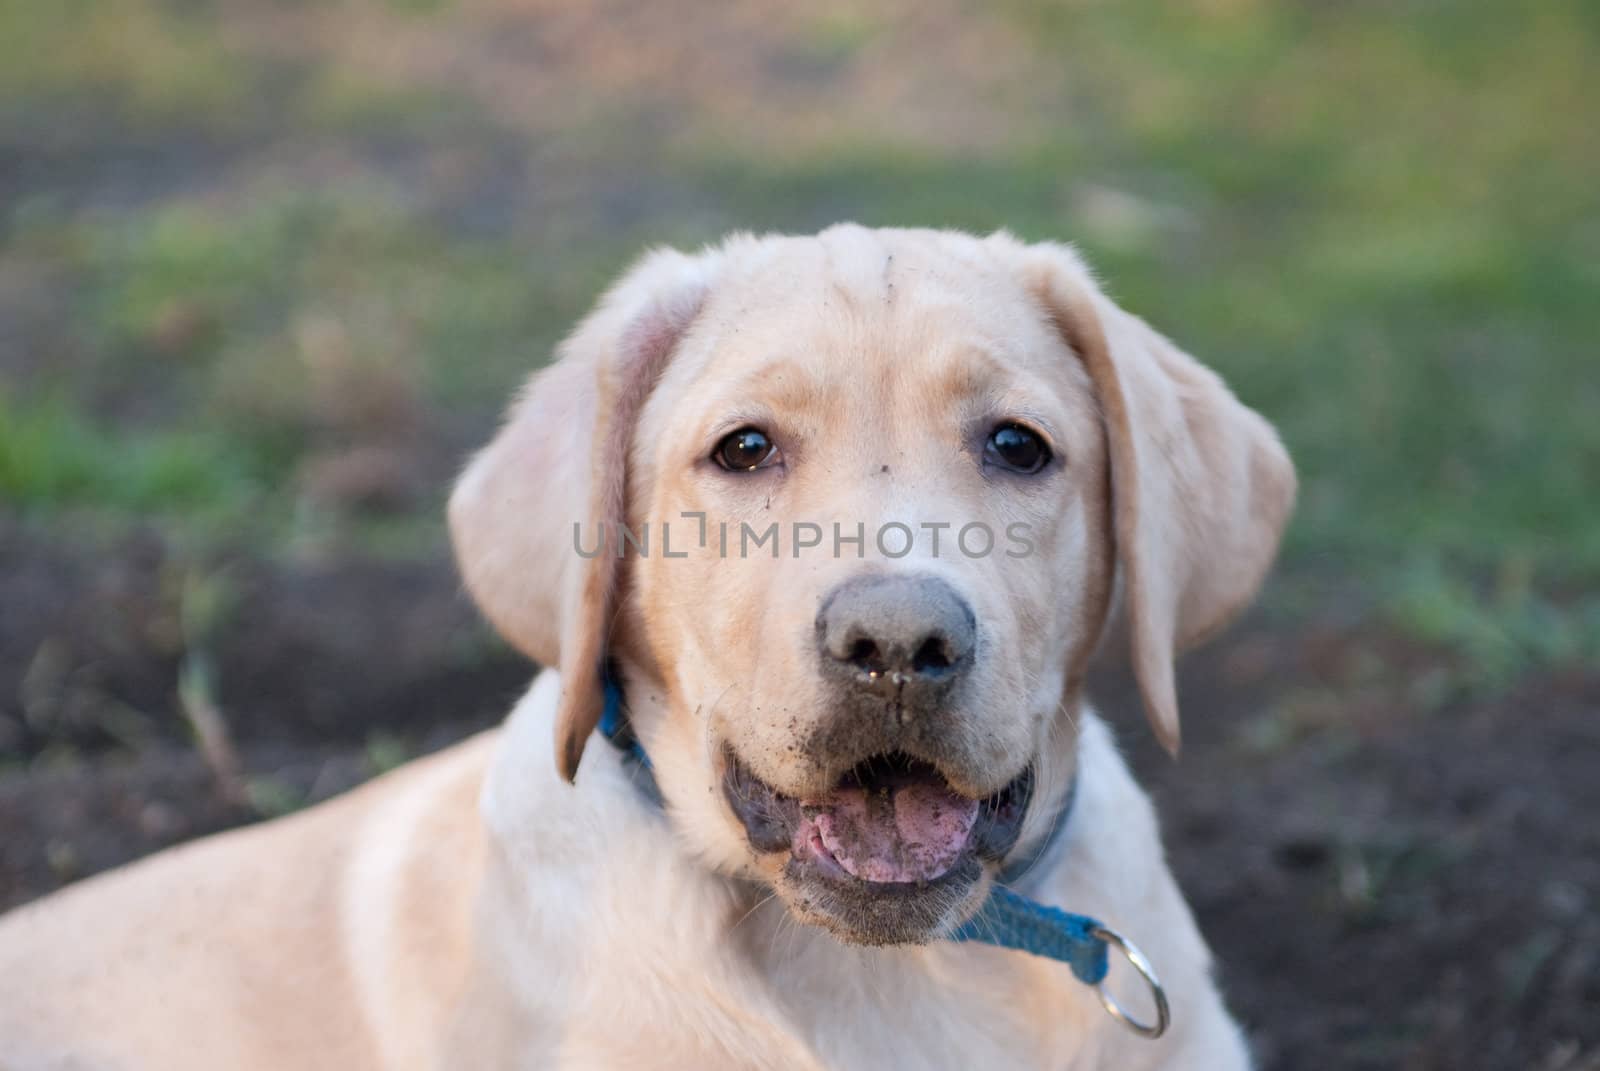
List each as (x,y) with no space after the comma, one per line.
(879,488)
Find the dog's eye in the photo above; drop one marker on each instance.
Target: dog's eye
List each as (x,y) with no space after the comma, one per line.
(1017,448)
(745,450)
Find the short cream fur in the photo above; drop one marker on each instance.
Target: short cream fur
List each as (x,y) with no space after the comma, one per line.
(477,910)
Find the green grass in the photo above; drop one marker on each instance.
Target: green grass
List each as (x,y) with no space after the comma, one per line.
(152,63)
(1382,231)
(253,339)
(1382,224)
(51,455)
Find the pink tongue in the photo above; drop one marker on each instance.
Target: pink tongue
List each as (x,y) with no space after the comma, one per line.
(912,833)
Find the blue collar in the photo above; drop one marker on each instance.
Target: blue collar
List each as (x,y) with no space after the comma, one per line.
(1007,919)
(618,731)
(614,724)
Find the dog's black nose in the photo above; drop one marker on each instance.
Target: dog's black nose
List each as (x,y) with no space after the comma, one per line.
(910,635)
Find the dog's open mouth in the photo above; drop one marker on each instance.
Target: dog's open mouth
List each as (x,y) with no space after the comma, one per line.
(885,854)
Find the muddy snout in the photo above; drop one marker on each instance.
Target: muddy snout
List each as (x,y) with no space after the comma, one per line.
(908,640)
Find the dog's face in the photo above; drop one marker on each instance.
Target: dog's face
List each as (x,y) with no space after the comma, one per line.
(886,478)
(873,724)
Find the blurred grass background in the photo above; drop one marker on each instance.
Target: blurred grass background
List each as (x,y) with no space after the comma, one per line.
(268,269)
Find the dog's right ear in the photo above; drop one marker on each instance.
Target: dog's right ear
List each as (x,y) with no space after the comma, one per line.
(1201,486)
(561,460)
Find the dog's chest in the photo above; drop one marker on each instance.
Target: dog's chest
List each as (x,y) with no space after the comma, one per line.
(677,975)
(946,1005)
(844,1008)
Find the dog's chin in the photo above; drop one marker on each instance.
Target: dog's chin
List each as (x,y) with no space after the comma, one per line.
(891,855)
(878,913)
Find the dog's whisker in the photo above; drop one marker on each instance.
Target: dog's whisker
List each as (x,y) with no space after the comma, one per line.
(757,906)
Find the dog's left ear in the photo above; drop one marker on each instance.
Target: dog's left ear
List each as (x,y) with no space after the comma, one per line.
(562,460)
(1201,486)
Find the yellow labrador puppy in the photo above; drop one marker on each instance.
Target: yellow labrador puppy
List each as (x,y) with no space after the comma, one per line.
(826,529)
